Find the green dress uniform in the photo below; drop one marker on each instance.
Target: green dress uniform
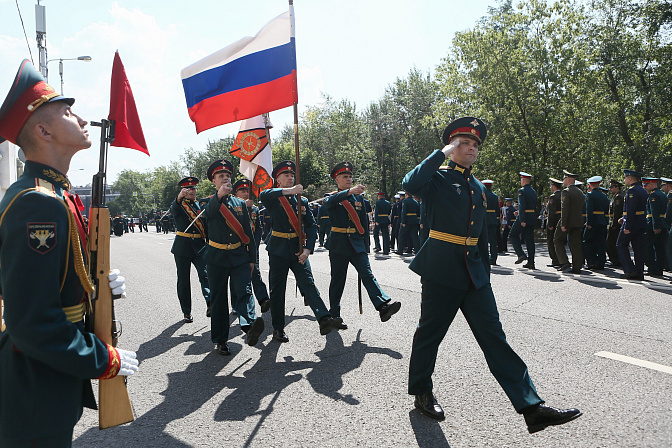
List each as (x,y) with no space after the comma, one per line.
(323,222)
(571,218)
(634,220)
(492,219)
(346,245)
(395,222)
(595,233)
(47,358)
(455,274)
(410,224)
(188,247)
(527,203)
(668,218)
(655,243)
(381,218)
(615,214)
(258,285)
(553,221)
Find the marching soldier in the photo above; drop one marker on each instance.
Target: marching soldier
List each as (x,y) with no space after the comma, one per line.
(492,218)
(396,217)
(424,226)
(189,245)
(165,223)
(47,358)
(667,189)
(410,224)
(381,220)
(656,227)
(525,221)
(230,256)
(571,224)
(289,247)
(455,272)
(323,221)
(346,245)
(241,189)
(554,211)
(615,214)
(510,215)
(633,227)
(595,233)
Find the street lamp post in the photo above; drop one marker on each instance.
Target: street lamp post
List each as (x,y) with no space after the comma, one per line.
(60,66)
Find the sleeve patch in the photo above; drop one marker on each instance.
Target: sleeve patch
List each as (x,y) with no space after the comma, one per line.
(41,236)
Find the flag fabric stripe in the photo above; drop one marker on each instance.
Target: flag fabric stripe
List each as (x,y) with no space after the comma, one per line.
(271,64)
(244,103)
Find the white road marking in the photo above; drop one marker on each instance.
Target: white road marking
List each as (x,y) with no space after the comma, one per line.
(636,362)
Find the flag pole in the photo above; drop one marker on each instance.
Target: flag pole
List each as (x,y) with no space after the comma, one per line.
(296,145)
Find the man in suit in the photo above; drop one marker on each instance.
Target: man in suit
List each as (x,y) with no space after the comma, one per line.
(633,227)
(455,273)
(381,218)
(595,233)
(492,217)
(189,245)
(525,221)
(571,225)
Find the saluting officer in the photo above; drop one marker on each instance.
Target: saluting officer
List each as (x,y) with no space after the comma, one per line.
(323,222)
(666,187)
(381,218)
(633,227)
(595,233)
(289,247)
(554,212)
(492,218)
(47,358)
(231,256)
(409,225)
(571,224)
(189,245)
(656,227)
(615,214)
(455,272)
(241,189)
(346,245)
(525,221)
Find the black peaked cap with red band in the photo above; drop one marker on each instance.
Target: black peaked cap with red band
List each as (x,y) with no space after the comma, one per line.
(242,183)
(28,92)
(188,182)
(340,168)
(471,126)
(286,166)
(217,166)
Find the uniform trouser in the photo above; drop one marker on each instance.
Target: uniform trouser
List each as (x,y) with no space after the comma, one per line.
(655,248)
(383,229)
(409,231)
(394,233)
(528,234)
(60,440)
(324,231)
(438,309)
(551,246)
(636,238)
(244,305)
(493,242)
(612,237)
(258,285)
(668,249)
(575,245)
(595,245)
(505,237)
(184,280)
(339,272)
(279,268)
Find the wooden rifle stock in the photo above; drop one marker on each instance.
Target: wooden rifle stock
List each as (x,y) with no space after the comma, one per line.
(114,403)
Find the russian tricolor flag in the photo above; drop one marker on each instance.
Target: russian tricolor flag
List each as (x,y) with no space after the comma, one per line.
(250,77)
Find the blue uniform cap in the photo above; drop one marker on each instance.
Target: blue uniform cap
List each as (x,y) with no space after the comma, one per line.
(636,174)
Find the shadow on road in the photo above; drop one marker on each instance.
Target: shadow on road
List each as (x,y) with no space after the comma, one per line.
(428,432)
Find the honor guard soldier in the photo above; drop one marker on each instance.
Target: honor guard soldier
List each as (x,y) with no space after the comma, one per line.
(47,357)
(381,218)
(656,227)
(230,256)
(409,225)
(525,221)
(615,214)
(455,272)
(289,247)
(571,224)
(666,187)
(323,221)
(396,221)
(595,233)
(492,218)
(165,223)
(241,189)
(346,245)
(554,212)
(633,227)
(189,245)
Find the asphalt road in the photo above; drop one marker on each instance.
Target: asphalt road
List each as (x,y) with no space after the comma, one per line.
(349,388)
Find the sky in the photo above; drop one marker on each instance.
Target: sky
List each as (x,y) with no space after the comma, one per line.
(346,49)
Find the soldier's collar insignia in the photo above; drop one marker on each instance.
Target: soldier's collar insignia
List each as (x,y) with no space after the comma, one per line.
(57,178)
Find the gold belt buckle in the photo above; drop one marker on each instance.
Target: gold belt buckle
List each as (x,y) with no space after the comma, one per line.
(228,246)
(467,241)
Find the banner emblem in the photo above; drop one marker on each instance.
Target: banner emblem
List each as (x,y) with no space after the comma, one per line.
(42,236)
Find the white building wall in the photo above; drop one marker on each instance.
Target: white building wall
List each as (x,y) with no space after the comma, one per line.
(10,166)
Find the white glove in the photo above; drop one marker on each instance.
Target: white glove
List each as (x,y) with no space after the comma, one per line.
(117,284)
(129,362)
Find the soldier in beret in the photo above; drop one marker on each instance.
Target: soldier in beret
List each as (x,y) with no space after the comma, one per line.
(525,221)
(381,220)
(242,190)
(633,227)
(47,358)
(595,233)
(656,227)
(455,272)
(346,245)
(571,224)
(554,211)
(289,246)
(615,213)
(189,245)
(231,256)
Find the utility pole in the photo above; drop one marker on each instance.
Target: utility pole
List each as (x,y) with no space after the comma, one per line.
(41,28)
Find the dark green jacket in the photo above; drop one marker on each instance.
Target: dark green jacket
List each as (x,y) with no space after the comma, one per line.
(346,243)
(323,217)
(382,212)
(597,208)
(456,206)
(527,205)
(656,207)
(616,209)
(45,360)
(410,211)
(182,245)
(283,247)
(668,209)
(492,212)
(220,232)
(554,209)
(572,203)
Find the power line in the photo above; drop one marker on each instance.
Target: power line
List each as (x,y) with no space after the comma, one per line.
(24,32)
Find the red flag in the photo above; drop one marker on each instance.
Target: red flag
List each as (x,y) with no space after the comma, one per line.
(127,131)
(262,181)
